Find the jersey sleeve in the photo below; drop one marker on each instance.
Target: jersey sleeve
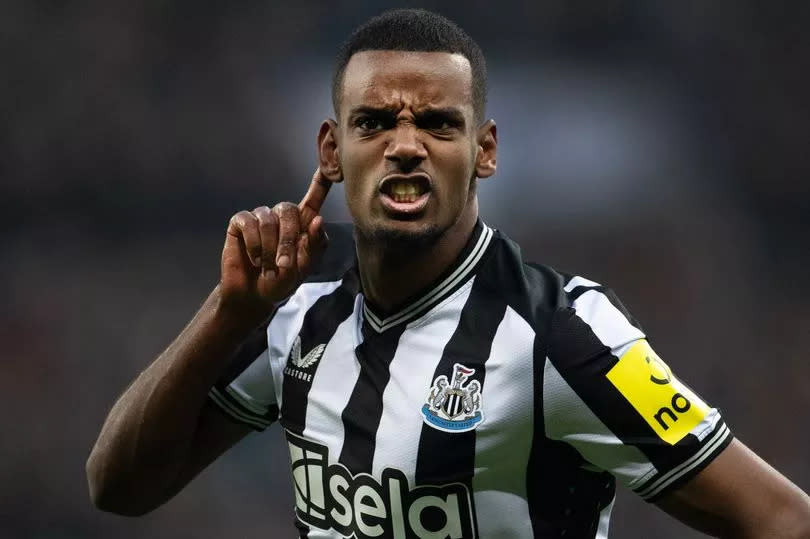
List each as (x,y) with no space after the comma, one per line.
(246,392)
(608,395)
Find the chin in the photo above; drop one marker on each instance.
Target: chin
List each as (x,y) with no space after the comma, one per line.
(401,235)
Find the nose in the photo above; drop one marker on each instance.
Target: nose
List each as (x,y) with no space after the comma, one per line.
(404,148)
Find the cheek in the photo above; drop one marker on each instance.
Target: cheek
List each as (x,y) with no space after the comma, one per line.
(457,164)
(358,162)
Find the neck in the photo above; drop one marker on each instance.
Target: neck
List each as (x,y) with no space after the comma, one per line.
(391,276)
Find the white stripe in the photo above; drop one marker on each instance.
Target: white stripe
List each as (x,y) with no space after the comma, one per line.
(678,472)
(287,322)
(242,400)
(604,520)
(503,440)
(417,355)
(234,412)
(332,386)
(371,316)
(569,419)
(612,328)
(579,281)
(707,426)
(453,279)
(374,325)
(235,409)
(316,533)
(502,515)
(228,408)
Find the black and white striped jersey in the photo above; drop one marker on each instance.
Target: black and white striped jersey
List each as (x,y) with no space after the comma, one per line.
(502,402)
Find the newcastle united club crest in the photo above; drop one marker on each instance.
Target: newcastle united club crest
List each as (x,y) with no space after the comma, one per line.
(454,406)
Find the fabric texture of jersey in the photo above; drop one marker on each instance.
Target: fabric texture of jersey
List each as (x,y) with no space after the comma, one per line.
(504,401)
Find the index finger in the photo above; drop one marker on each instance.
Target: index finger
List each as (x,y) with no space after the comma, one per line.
(310,205)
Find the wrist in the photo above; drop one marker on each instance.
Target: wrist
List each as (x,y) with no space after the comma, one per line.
(233,318)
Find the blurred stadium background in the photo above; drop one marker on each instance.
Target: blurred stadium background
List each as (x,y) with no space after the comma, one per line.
(659,147)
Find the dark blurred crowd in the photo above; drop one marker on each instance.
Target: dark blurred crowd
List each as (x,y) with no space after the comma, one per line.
(657,147)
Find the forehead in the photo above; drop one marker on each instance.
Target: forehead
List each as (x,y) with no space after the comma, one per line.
(407,78)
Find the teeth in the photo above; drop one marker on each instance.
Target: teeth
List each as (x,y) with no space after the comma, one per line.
(404,189)
(404,198)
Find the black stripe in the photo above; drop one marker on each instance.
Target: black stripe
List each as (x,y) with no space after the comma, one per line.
(362,414)
(320,324)
(339,256)
(446,457)
(563,497)
(303,528)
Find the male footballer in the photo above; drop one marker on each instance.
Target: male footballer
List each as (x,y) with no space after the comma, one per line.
(429,382)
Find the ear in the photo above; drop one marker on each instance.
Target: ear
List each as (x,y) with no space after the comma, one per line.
(328,156)
(487,155)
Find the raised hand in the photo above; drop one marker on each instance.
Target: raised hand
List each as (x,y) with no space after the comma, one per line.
(268,252)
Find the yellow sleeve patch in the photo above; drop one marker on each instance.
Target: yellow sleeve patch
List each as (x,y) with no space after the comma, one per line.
(666,404)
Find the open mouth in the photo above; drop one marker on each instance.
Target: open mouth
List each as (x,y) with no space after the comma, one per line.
(405,194)
(405,188)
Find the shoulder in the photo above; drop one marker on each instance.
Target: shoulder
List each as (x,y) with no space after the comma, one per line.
(545,296)
(534,290)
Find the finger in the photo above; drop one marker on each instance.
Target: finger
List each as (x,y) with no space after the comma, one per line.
(317,235)
(245,225)
(289,227)
(310,205)
(304,255)
(268,232)
(311,245)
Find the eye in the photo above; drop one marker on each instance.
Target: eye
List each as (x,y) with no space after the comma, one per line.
(441,125)
(369,124)
(438,122)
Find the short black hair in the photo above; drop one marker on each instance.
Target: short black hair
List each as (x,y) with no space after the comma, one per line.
(415,30)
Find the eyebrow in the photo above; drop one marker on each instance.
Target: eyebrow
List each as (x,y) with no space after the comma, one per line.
(371,111)
(451,113)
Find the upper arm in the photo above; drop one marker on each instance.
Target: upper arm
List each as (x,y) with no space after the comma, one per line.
(740,495)
(609,396)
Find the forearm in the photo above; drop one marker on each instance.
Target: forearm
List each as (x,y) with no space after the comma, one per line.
(148,432)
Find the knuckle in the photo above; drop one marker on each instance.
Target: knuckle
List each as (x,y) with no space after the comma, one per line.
(241,218)
(261,212)
(268,220)
(286,209)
